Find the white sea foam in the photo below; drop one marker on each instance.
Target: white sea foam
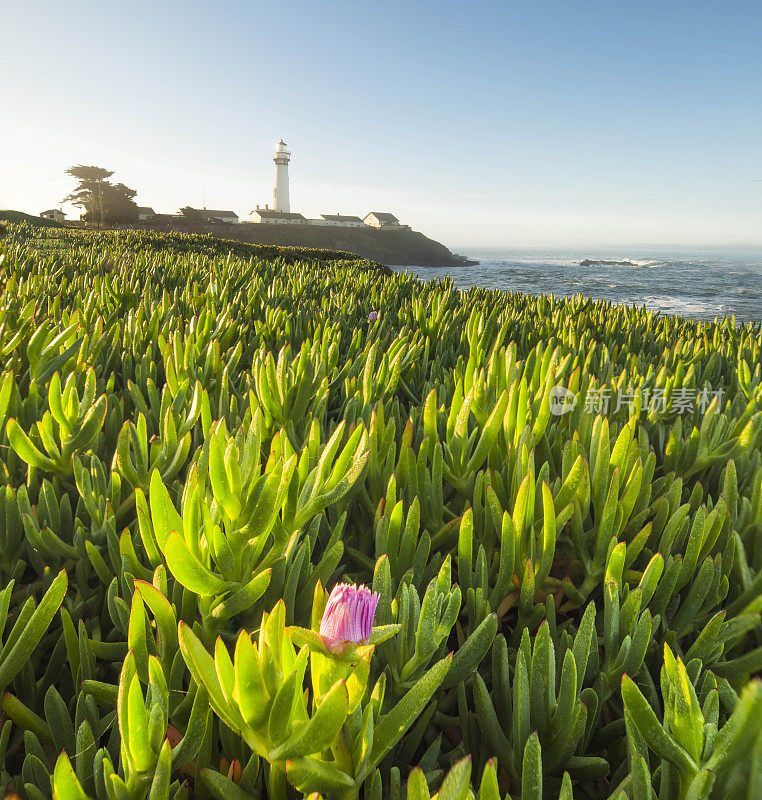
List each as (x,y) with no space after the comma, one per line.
(628,263)
(677,305)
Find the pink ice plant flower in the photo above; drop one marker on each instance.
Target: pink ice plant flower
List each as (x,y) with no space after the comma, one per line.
(348,616)
(373,316)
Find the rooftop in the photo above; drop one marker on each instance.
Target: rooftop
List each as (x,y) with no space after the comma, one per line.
(382,216)
(341,218)
(210,212)
(270,214)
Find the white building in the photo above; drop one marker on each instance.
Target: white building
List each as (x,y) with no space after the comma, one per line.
(145,212)
(281,214)
(339,221)
(229,217)
(281,201)
(222,216)
(273,217)
(382,219)
(53,213)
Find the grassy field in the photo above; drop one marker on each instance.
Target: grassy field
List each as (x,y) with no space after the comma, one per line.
(199,439)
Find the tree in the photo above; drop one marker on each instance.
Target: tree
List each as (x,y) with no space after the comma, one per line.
(192,214)
(119,203)
(102,200)
(89,192)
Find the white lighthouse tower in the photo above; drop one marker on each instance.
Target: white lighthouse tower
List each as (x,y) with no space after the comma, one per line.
(280,192)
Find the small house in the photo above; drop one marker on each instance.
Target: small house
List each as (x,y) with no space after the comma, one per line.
(145,212)
(53,213)
(382,219)
(342,221)
(272,217)
(228,217)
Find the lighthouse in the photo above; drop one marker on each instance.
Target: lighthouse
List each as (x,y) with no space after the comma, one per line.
(280,192)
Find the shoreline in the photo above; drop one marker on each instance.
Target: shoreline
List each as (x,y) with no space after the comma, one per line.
(694,283)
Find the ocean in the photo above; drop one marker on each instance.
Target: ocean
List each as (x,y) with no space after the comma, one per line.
(698,283)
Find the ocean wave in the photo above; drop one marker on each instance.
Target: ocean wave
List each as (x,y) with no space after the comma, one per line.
(621,262)
(697,284)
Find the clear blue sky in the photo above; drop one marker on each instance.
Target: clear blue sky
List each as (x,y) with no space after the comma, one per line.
(544,123)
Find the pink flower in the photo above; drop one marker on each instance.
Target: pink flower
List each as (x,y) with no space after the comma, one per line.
(348,615)
(373,316)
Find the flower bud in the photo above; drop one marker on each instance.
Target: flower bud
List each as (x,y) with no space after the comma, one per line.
(348,616)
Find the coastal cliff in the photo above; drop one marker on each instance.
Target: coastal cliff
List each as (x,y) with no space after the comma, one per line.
(394,248)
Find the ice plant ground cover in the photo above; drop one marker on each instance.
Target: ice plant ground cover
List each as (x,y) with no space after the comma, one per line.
(200,441)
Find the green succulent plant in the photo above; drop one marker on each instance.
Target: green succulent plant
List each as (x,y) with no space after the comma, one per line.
(199,438)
